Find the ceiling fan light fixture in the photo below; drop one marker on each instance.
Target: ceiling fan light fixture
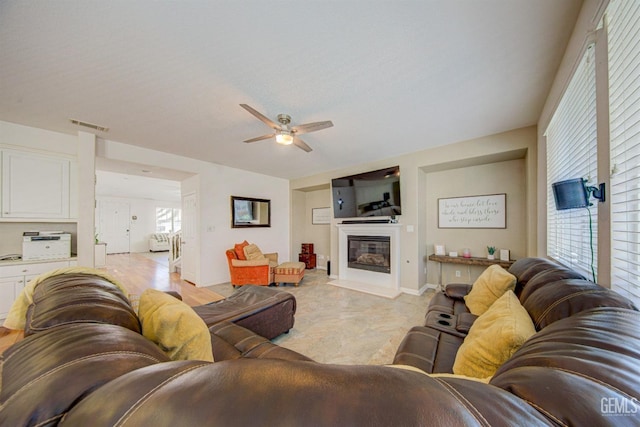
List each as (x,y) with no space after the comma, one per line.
(284,138)
(284,134)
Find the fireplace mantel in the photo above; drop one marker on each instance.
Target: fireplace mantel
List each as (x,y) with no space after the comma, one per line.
(376,283)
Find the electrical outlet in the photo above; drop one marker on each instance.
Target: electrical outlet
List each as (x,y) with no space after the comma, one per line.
(457,273)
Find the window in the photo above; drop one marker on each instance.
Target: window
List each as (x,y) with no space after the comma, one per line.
(572,153)
(167,220)
(623,28)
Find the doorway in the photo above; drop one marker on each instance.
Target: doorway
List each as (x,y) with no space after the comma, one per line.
(115,226)
(190,239)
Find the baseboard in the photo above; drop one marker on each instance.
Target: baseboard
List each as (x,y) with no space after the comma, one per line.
(420,291)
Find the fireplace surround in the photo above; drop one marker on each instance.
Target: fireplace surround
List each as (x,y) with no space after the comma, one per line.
(370,253)
(372,262)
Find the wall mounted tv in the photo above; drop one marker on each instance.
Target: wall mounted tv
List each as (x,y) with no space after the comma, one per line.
(570,194)
(375,193)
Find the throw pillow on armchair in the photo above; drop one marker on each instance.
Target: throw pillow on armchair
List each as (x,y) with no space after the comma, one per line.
(238,248)
(253,252)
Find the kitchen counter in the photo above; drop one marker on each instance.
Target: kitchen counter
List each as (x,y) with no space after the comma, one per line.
(38,261)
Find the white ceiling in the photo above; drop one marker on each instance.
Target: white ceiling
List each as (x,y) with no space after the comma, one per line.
(394,76)
(113,184)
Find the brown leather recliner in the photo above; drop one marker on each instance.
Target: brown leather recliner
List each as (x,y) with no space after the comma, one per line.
(548,291)
(582,367)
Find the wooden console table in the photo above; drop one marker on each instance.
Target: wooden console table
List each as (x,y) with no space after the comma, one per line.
(444,259)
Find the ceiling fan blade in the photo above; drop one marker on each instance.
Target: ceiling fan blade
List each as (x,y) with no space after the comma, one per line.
(301,144)
(260,138)
(266,120)
(311,127)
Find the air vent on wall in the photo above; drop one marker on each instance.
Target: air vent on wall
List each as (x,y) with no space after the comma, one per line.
(89,125)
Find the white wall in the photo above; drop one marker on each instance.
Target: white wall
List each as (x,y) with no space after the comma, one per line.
(415,193)
(141,228)
(26,138)
(11,234)
(217,185)
(214,185)
(304,231)
(495,178)
(85,198)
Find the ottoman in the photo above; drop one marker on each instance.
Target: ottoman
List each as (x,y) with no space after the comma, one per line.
(266,311)
(289,272)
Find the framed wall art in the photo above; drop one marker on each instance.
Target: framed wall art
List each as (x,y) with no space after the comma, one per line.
(484,211)
(250,212)
(320,216)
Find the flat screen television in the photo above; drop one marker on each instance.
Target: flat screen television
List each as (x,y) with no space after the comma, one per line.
(570,194)
(374,193)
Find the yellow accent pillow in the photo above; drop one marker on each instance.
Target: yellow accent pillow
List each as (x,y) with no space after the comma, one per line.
(174,326)
(488,287)
(252,252)
(493,338)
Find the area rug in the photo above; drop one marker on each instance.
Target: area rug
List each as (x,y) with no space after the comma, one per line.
(341,326)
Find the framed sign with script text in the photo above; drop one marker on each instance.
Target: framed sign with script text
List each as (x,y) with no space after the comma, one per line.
(321,216)
(486,211)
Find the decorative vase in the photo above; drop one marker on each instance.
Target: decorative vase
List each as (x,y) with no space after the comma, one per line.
(491,256)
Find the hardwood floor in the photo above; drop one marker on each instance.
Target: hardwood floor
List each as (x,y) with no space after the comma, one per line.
(9,337)
(137,272)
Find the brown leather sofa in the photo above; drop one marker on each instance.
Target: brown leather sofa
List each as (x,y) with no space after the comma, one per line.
(548,291)
(581,368)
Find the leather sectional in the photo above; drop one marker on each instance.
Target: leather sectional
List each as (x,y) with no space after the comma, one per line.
(581,367)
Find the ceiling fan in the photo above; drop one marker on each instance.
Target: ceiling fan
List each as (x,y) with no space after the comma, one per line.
(284,133)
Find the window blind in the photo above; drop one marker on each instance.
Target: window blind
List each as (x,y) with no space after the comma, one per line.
(623,32)
(571,153)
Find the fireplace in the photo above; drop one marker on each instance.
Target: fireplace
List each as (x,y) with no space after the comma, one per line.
(369,258)
(370,253)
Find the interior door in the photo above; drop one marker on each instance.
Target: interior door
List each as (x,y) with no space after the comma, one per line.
(190,251)
(114,226)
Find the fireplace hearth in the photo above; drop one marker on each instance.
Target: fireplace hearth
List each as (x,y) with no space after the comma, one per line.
(371,253)
(371,261)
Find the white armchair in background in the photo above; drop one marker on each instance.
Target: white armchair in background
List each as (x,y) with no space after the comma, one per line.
(159,242)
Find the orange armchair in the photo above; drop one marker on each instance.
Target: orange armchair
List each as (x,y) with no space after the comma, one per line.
(252,272)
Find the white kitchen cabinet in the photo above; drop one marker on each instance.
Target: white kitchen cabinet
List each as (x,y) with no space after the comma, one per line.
(10,287)
(35,185)
(14,275)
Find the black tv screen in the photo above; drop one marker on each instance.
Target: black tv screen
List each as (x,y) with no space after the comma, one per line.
(374,193)
(570,194)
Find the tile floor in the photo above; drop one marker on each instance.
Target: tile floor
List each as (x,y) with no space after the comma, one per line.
(341,326)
